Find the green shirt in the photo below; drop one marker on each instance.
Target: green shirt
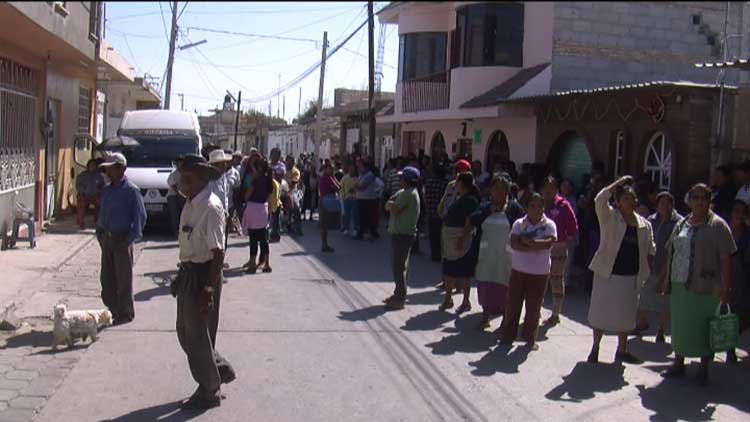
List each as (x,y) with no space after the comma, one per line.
(406,221)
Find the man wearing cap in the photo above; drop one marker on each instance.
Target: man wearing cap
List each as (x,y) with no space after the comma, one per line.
(199,281)
(403,207)
(122,217)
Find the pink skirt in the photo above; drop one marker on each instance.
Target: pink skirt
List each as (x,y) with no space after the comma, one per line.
(255,216)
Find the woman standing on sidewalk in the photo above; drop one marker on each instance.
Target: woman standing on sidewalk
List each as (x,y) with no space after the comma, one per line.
(330,205)
(531,239)
(662,224)
(699,271)
(620,266)
(255,218)
(557,209)
(459,261)
(349,193)
(493,221)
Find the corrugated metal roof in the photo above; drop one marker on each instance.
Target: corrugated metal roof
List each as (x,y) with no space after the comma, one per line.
(619,88)
(743,64)
(505,89)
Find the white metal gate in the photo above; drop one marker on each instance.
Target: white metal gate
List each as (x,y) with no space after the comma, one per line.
(17,111)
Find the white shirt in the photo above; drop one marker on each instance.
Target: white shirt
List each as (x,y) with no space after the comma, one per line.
(744,194)
(219,188)
(201,227)
(532,262)
(233,182)
(172,180)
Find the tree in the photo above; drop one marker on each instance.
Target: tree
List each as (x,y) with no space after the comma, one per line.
(308,115)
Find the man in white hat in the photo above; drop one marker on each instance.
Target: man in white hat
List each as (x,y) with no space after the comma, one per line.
(122,217)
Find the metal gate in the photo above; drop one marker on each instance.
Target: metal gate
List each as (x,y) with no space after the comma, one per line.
(17,110)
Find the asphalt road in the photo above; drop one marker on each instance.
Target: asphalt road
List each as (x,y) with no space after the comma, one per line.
(312,342)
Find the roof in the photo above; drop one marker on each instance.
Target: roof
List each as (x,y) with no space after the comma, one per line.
(619,88)
(159,119)
(743,64)
(505,89)
(387,110)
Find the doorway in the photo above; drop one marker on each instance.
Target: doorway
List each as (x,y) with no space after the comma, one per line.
(573,159)
(497,151)
(50,157)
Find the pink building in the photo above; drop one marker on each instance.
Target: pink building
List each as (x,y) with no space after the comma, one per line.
(457,62)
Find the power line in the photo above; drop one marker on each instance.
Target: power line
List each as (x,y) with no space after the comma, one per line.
(246,34)
(164,23)
(137,15)
(181,11)
(132,56)
(261,12)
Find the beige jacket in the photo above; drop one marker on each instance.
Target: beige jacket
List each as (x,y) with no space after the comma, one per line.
(612,230)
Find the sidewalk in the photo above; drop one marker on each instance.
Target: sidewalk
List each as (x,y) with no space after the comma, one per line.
(26,270)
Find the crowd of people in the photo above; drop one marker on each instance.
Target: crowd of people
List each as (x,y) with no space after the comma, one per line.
(515,234)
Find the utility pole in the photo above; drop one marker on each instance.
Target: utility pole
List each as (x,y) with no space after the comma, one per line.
(170,61)
(299,104)
(278,103)
(237,119)
(283,106)
(182,101)
(319,116)
(371,90)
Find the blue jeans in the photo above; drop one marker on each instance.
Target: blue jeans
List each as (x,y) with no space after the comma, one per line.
(351,215)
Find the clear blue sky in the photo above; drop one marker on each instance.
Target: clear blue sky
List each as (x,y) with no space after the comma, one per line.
(138,32)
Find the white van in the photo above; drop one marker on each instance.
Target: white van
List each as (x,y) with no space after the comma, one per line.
(151,140)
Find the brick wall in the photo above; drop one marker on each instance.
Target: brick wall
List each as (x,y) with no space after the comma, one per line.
(686,126)
(610,43)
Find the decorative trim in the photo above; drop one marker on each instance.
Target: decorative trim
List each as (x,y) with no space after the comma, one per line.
(654,108)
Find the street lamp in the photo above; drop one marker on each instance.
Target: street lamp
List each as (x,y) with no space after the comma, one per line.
(192,44)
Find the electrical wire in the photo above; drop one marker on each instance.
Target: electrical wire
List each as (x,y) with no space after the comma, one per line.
(132,56)
(246,34)
(183,10)
(164,23)
(137,15)
(262,12)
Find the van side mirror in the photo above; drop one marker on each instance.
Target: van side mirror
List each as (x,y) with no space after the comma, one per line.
(83,148)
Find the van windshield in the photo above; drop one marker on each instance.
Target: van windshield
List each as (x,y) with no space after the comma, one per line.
(157,151)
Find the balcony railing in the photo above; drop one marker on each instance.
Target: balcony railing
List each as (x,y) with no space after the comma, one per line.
(426,94)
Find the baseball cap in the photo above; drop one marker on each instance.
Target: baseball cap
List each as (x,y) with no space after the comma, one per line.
(409,173)
(463,166)
(115,158)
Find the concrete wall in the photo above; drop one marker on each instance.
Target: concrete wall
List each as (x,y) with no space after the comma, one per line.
(73,29)
(608,43)
(519,131)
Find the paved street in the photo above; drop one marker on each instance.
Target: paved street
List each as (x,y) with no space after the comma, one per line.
(311,341)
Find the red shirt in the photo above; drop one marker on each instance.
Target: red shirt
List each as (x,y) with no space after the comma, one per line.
(565,219)
(327,185)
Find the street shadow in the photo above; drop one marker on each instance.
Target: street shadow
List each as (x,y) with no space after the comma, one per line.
(727,386)
(33,338)
(427,297)
(428,321)
(587,379)
(168,412)
(650,351)
(161,247)
(298,253)
(162,278)
(234,273)
(146,295)
(464,337)
(364,314)
(500,359)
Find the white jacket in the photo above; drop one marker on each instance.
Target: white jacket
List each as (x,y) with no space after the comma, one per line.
(612,228)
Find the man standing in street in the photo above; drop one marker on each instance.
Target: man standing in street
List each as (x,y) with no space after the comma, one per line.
(403,207)
(199,282)
(122,217)
(89,186)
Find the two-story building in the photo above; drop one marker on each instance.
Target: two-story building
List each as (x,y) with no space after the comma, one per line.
(48,70)
(509,80)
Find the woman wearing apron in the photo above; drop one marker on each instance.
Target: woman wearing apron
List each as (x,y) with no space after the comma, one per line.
(493,221)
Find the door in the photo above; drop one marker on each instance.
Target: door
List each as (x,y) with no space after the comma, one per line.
(437,147)
(573,157)
(497,151)
(50,159)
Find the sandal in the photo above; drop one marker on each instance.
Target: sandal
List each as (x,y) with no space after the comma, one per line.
(447,304)
(251,269)
(465,307)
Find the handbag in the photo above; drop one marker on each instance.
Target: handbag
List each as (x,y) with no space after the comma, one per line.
(724,330)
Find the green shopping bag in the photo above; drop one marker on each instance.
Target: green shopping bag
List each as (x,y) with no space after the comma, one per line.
(724,330)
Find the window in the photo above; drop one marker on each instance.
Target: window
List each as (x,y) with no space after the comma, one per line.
(658,162)
(619,154)
(491,34)
(94,24)
(84,110)
(422,55)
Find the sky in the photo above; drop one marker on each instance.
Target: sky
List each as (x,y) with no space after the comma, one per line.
(138,31)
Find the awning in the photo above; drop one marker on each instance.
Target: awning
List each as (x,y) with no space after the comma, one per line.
(506,89)
(742,64)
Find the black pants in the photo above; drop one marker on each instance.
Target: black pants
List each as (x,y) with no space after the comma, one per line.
(175,203)
(368,217)
(401,245)
(258,237)
(117,275)
(435,225)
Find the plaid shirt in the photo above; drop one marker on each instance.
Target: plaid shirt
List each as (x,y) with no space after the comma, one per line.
(434,188)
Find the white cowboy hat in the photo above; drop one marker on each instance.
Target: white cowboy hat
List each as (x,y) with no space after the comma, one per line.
(218,156)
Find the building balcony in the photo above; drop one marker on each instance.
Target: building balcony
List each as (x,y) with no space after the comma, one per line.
(426,94)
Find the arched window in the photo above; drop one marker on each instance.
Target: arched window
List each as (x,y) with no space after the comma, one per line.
(658,161)
(437,146)
(619,154)
(497,151)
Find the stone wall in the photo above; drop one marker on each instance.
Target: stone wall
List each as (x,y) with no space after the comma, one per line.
(610,43)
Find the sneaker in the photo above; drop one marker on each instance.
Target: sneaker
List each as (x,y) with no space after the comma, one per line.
(627,357)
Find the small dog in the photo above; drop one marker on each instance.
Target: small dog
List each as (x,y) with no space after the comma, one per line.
(77,324)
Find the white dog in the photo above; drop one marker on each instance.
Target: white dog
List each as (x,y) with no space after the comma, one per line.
(77,324)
